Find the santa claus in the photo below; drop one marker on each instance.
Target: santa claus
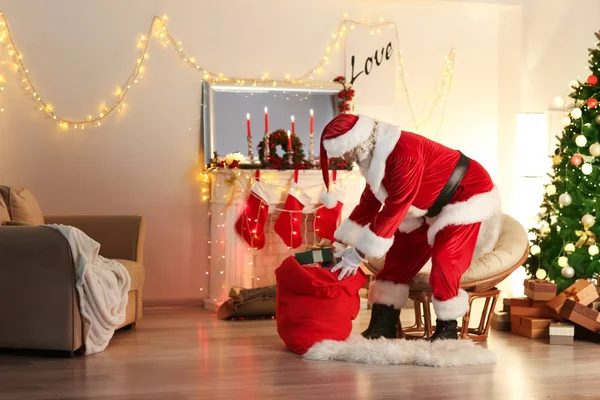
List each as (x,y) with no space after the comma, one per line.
(422,200)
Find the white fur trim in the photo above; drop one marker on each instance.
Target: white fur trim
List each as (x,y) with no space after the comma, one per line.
(411,224)
(329,199)
(488,235)
(476,209)
(371,244)
(440,353)
(386,142)
(452,309)
(259,189)
(298,193)
(389,293)
(348,232)
(359,133)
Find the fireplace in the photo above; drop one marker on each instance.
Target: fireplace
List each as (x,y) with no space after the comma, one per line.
(231,261)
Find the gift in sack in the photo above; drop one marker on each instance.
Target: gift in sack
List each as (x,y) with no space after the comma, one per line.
(312,305)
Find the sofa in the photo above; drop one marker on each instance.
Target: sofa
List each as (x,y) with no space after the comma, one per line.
(39,305)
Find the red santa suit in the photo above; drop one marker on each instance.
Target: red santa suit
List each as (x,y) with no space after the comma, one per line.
(406,174)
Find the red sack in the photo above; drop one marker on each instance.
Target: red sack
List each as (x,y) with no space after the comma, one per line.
(312,305)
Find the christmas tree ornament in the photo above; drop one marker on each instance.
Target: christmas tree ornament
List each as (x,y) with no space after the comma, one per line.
(580,140)
(559,102)
(563,262)
(588,221)
(569,248)
(556,160)
(327,217)
(550,190)
(289,223)
(535,250)
(541,274)
(574,84)
(592,80)
(598,119)
(576,113)
(587,169)
(592,103)
(251,222)
(593,250)
(566,121)
(567,272)
(576,160)
(565,199)
(595,149)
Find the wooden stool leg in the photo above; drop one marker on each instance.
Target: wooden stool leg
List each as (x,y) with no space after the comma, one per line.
(427,315)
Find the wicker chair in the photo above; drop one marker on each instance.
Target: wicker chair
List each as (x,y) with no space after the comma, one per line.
(480,282)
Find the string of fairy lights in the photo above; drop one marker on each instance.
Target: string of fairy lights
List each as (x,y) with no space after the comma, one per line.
(158,29)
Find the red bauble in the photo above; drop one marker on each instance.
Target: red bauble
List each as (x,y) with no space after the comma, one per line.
(593,80)
(592,103)
(576,160)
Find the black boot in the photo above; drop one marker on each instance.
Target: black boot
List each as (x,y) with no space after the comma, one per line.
(384,320)
(445,330)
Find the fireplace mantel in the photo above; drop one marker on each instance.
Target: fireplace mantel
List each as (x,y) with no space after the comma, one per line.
(231,262)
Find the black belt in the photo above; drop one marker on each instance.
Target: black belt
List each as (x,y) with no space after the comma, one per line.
(450,188)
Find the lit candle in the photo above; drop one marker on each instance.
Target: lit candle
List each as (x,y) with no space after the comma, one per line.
(312,121)
(293,126)
(289,141)
(266,119)
(248,125)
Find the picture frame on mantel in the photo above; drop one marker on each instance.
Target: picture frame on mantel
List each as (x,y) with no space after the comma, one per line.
(225,107)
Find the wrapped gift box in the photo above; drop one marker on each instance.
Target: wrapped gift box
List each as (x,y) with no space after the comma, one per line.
(581,315)
(501,321)
(562,333)
(525,307)
(539,290)
(324,256)
(531,327)
(582,292)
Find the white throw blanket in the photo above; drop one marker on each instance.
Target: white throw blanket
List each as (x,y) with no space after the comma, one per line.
(102,285)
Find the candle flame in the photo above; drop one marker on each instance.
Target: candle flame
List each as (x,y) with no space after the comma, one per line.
(312,112)
(292,118)
(248,116)
(266,110)
(289,133)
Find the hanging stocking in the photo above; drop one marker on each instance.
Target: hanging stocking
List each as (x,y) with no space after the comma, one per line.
(288,225)
(251,222)
(327,217)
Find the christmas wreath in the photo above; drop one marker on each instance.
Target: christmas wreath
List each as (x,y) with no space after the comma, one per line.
(279,138)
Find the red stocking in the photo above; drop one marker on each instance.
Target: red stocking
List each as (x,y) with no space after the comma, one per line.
(289,224)
(251,222)
(328,216)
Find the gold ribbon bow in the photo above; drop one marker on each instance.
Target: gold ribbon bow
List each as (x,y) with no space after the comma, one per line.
(586,238)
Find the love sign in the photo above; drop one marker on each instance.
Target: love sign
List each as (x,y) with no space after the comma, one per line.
(378,58)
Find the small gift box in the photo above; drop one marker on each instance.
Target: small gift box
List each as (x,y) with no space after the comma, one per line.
(540,290)
(525,307)
(533,327)
(315,256)
(581,315)
(582,292)
(562,333)
(501,321)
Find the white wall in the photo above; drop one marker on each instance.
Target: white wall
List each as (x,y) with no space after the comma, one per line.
(143,161)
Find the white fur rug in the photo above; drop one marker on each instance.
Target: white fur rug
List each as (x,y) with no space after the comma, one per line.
(446,353)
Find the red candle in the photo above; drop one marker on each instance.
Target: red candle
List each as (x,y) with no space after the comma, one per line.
(312,121)
(266,120)
(289,141)
(293,126)
(248,125)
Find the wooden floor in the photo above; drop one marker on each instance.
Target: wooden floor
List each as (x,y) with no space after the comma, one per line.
(177,354)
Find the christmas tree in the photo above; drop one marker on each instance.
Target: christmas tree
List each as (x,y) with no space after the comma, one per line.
(563,244)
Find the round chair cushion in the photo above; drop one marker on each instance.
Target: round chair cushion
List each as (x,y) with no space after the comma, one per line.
(507,255)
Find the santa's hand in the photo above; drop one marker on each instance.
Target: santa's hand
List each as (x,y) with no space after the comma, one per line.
(339,247)
(351,260)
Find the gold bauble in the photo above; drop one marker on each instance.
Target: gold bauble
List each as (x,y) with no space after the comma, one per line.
(556,160)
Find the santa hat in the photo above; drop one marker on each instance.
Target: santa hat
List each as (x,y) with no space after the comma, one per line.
(341,134)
